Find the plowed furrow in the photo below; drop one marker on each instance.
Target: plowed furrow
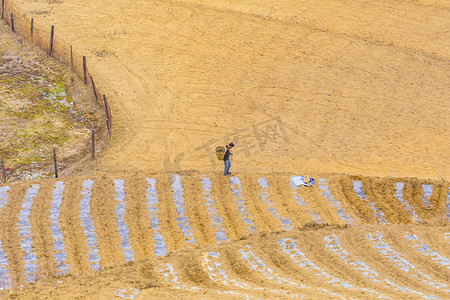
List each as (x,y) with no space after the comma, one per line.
(41,229)
(5,279)
(376,212)
(316,274)
(341,210)
(271,206)
(216,272)
(382,194)
(226,208)
(122,227)
(204,232)
(100,222)
(153,216)
(220,233)
(26,241)
(182,219)
(402,264)
(416,243)
(263,220)
(59,252)
(242,205)
(167,214)
(74,237)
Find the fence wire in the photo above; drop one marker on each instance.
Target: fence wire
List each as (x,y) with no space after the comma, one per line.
(30,29)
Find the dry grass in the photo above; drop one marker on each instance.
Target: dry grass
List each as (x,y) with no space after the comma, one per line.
(43,106)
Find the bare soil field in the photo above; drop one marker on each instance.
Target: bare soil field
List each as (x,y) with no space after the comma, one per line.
(264,267)
(352,93)
(206,235)
(350,87)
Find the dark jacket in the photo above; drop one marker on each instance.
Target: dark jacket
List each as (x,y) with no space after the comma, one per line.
(227,154)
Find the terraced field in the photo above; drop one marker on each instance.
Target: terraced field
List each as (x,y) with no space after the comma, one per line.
(357,89)
(240,236)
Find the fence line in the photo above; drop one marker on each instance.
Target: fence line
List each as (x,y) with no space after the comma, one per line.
(57,48)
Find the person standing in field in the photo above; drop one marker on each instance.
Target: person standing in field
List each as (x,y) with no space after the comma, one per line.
(226,159)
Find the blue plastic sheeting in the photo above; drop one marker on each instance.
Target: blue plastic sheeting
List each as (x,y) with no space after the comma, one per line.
(152,210)
(129,293)
(88,225)
(170,277)
(264,196)
(300,201)
(258,265)
(427,251)
(383,248)
(120,217)
(25,234)
(58,244)
(448,205)
(217,274)
(289,246)
(3,196)
(235,185)
(5,280)
(427,191)
(339,210)
(216,221)
(379,215)
(334,245)
(182,220)
(399,195)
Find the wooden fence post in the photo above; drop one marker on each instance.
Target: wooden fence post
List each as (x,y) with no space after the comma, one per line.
(93,87)
(93,144)
(52,33)
(54,162)
(32,29)
(3,8)
(107,126)
(71,57)
(108,122)
(84,70)
(12,22)
(106,106)
(3,169)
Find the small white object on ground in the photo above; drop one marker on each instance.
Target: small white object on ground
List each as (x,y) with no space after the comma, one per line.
(298,180)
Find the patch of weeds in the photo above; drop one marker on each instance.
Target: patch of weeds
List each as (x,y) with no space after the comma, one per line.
(27,113)
(56,97)
(32,139)
(28,159)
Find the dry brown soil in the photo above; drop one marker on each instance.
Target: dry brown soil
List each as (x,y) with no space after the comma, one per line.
(356,89)
(360,87)
(196,269)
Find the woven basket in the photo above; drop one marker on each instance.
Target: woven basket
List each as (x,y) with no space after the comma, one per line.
(220,152)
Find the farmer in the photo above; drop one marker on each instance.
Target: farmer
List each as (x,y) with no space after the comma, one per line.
(226,159)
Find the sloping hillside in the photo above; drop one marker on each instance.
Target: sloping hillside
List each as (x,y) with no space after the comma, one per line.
(352,93)
(355,87)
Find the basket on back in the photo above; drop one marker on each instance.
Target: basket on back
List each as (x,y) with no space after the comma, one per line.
(220,152)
